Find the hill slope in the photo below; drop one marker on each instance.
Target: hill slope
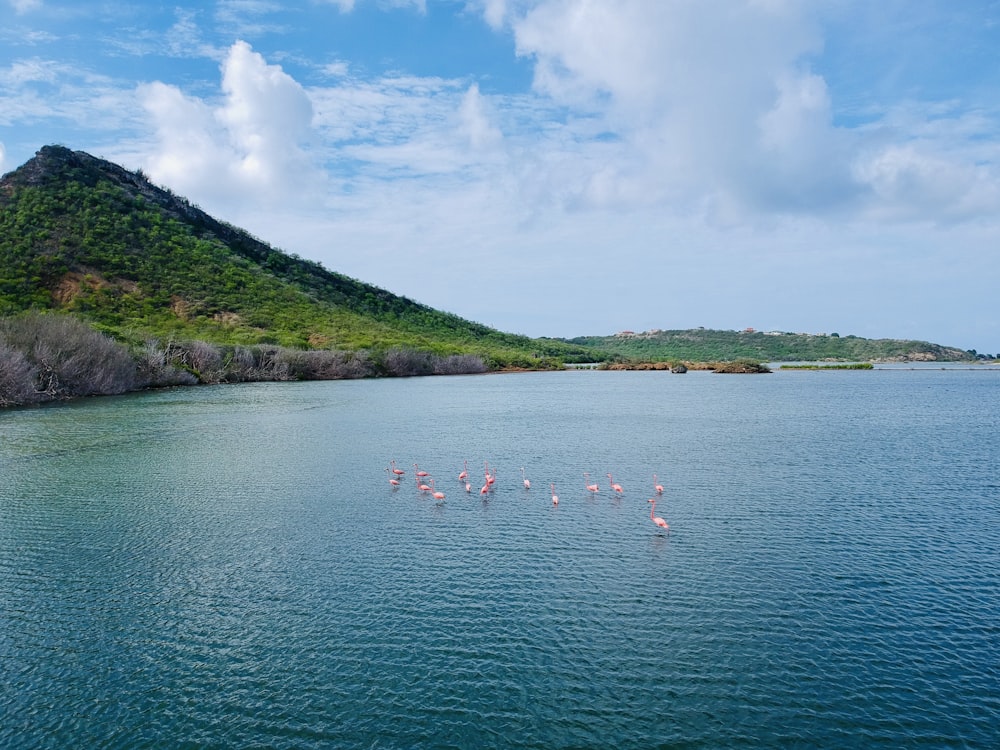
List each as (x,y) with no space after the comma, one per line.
(83,235)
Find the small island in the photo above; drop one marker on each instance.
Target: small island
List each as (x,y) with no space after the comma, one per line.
(844,366)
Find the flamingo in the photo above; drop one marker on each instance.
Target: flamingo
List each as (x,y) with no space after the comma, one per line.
(434,493)
(484,489)
(527,482)
(397,472)
(555,497)
(656,519)
(464,473)
(657,486)
(591,487)
(468,486)
(616,487)
(420,473)
(423,487)
(393,481)
(490,478)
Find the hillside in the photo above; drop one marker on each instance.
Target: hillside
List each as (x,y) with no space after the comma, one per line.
(704,345)
(82,235)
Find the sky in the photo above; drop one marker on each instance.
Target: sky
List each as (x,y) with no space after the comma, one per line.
(562,167)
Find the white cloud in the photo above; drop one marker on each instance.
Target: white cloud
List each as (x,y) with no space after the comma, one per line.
(346,6)
(184,37)
(476,122)
(267,114)
(24,6)
(495,12)
(913,183)
(245,148)
(715,109)
(191,152)
(3,159)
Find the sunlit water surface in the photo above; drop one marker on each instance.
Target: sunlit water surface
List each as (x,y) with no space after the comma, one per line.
(229,566)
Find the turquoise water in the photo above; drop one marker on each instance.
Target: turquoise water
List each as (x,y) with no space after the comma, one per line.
(229,566)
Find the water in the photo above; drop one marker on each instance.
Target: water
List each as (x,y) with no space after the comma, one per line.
(229,567)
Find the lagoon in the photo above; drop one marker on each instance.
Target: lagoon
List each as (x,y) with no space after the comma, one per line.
(228,566)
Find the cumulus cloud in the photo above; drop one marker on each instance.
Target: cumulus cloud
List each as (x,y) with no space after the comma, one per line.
(266,113)
(718,109)
(247,146)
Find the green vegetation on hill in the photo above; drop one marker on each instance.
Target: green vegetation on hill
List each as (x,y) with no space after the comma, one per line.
(87,237)
(703,345)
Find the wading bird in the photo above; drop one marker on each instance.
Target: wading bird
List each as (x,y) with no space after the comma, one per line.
(591,487)
(616,487)
(657,486)
(434,493)
(527,482)
(656,519)
(555,497)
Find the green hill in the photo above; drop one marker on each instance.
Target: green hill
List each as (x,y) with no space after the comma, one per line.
(705,345)
(82,235)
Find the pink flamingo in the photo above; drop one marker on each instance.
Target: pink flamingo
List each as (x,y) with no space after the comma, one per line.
(394,482)
(420,473)
(591,487)
(616,487)
(656,486)
(656,519)
(422,487)
(490,478)
(465,472)
(468,486)
(527,482)
(434,493)
(555,497)
(397,472)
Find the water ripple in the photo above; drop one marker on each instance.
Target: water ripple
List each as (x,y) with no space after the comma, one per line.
(228,567)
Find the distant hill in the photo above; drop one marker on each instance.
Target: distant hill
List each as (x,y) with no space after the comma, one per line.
(81,235)
(705,345)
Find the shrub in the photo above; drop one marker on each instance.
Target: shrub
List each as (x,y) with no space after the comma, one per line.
(408,362)
(459,364)
(69,358)
(155,369)
(202,359)
(328,365)
(17,378)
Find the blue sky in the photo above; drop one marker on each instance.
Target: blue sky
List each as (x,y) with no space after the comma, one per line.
(562,167)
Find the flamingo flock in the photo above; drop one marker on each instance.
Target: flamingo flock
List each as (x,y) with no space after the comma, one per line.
(425,485)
